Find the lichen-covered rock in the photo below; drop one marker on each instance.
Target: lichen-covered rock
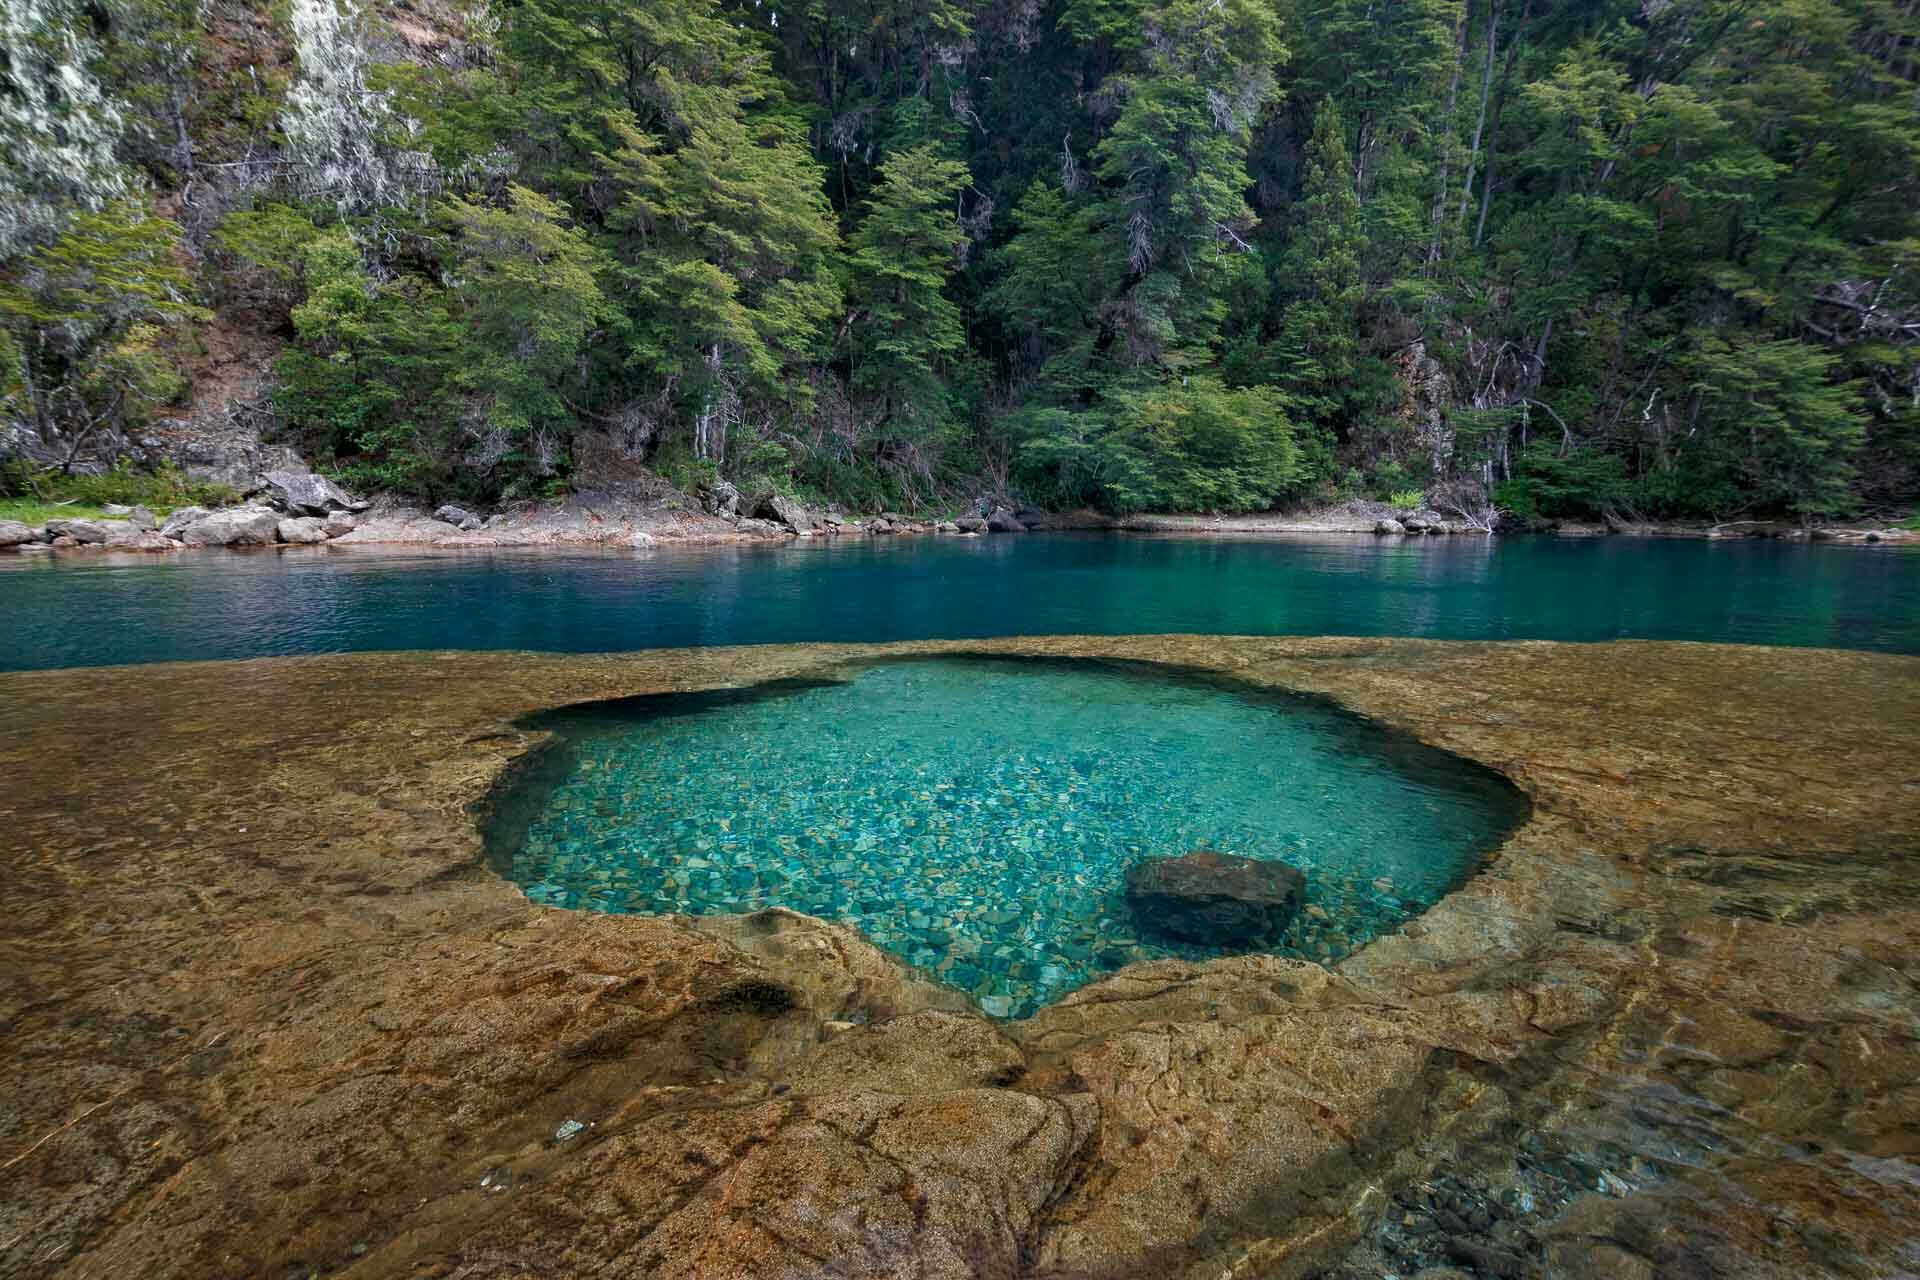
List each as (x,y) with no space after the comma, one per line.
(971,524)
(233,527)
(1215,898)
(304,493)
(338,524)
(13,533)
(142,518)
(1388,527)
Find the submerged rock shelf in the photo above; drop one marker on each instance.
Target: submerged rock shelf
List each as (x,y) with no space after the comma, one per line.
(978,817)
(267,1010)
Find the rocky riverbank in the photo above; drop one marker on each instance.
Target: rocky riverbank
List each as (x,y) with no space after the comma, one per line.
(298,508)
(268,1012)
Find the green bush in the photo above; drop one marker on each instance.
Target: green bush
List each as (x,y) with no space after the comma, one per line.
(1583,482)
(1406,500)
(1191,445)
(1390,477)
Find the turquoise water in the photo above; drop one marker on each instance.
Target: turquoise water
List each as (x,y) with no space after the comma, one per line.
(976,817)
(89,610)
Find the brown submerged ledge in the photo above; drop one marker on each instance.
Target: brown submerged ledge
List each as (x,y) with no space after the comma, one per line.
(267,1012)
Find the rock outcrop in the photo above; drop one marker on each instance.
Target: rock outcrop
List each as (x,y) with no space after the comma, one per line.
(13,533)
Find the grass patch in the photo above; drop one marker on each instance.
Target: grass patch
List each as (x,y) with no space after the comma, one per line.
(35,512)
(34,497)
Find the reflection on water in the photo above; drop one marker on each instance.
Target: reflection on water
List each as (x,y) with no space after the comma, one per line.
(78,611)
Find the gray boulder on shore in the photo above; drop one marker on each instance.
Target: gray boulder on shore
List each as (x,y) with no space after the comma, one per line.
(1386,527)
(14,534)
(306,494)
(176,523)
(232,527)
(302,530)
(787,511)
(1004,521)
(459,517)
(124,535)
(81,531)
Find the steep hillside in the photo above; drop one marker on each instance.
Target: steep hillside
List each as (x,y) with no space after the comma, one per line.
(1607,261)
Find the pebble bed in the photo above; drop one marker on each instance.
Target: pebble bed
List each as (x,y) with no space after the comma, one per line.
(977,817)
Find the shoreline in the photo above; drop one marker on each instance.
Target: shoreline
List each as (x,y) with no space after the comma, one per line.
(581,524)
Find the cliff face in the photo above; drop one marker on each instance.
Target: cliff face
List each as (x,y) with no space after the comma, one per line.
(267,1008)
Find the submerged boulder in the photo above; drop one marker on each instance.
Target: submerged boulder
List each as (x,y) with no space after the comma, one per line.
(1216,898)
(302,493)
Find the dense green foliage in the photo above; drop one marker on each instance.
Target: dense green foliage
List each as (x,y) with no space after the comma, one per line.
(1566,257)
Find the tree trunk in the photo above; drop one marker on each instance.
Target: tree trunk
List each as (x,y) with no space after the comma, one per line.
(1480,125)
(1499,111)
(1452,136)
(709,425)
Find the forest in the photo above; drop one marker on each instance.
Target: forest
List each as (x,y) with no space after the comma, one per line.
(1651,259)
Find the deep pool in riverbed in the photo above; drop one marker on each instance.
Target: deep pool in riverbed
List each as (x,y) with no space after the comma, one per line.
(89,610)
(976,816)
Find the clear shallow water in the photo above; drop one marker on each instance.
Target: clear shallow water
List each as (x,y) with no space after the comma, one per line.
(977,817)
(85,611)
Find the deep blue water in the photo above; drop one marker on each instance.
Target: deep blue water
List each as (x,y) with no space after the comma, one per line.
(91,610)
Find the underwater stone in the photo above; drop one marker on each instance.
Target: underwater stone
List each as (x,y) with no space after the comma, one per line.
(1215,897)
